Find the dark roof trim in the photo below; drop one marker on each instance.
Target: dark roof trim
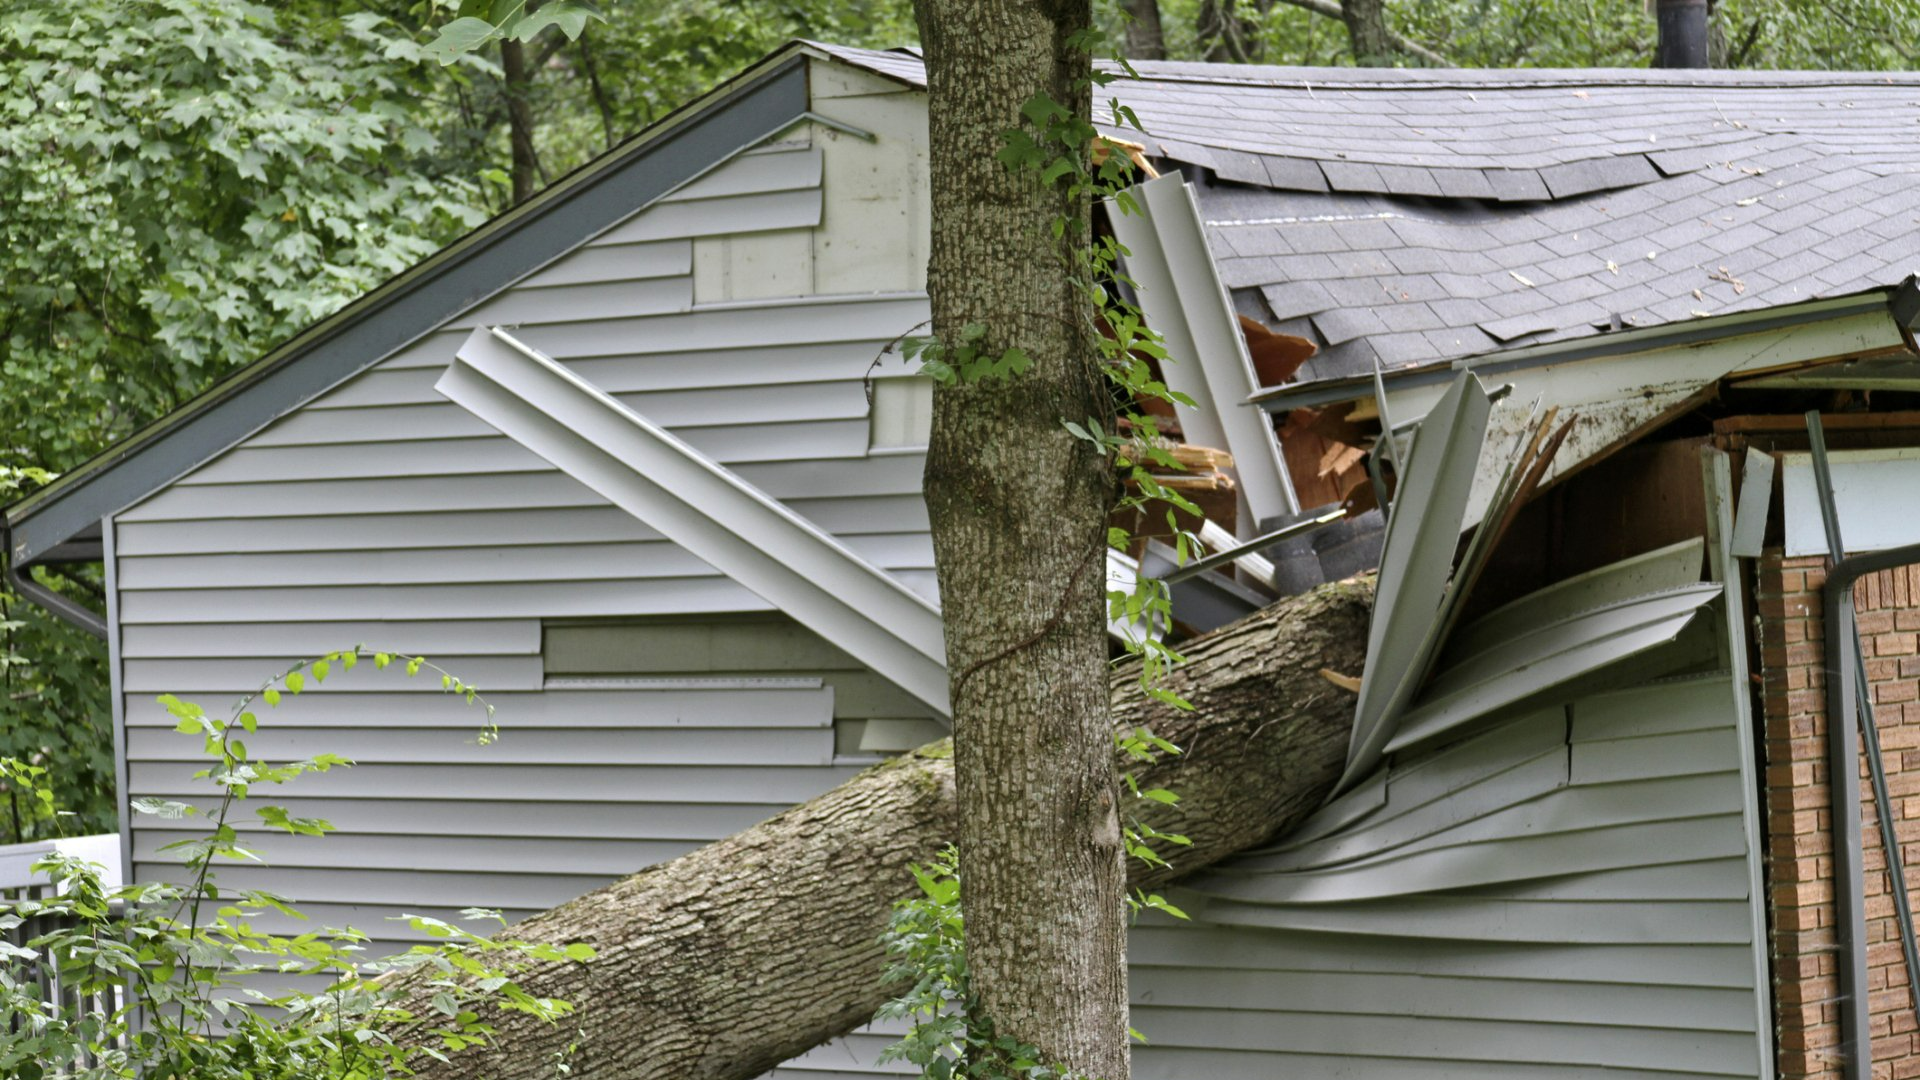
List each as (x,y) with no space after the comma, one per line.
(1898,300)
(756,105)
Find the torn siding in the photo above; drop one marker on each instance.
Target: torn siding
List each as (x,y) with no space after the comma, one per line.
(1565,892)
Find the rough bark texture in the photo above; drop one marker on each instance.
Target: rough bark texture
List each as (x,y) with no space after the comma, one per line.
(727,961)
(1146,40)
(1018,509)
(1225,35)
(517,82)
(1367,30)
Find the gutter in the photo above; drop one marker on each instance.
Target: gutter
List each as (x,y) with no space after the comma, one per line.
(1901,301)
(1849,720)
(40,596)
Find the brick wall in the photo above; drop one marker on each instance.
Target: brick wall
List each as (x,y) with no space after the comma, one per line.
(1799,845)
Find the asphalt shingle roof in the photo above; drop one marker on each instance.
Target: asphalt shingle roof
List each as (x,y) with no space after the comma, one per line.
(1419,216)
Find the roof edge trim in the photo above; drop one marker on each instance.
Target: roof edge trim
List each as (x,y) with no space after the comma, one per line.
(1618,343)
(760,102)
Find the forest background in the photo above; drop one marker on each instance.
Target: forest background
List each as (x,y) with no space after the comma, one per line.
(186,183)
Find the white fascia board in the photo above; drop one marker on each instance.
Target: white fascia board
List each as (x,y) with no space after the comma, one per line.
(1875,492)
(1620,397)
(1184,301)
(738,529)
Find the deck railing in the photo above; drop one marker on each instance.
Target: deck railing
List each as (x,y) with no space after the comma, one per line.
(19,882)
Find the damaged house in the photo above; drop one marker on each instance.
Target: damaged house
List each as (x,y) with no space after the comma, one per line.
(1542,346)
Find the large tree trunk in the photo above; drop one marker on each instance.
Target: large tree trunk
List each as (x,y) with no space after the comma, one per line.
(1146,39)
(1367,31)
(1018,508)
(727,961)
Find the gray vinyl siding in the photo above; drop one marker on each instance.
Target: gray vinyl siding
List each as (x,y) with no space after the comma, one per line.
(1563,895)
(380,513)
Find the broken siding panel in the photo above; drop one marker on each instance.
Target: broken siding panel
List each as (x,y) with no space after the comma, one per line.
(1621,397)
(739,528)
(1620,863)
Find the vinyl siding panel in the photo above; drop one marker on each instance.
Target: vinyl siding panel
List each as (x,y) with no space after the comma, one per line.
(1562,895)
(381,513)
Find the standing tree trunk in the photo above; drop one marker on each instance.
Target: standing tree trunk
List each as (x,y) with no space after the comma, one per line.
(1018,509)
(517,84)
(1367,29)
(1146,40)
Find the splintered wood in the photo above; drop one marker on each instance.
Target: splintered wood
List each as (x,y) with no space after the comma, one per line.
(1203,480)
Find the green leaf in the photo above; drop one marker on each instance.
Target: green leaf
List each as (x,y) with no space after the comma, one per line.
(272,696)
(460,37)
(569,15)
(580,952)
(163,808)
(296,682)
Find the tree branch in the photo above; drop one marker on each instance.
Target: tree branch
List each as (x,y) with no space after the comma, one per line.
(1331,9)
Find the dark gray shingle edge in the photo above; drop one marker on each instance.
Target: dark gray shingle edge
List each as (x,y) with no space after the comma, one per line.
(1901,300)
(759,104)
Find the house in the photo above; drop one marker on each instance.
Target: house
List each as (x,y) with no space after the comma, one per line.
(634,459)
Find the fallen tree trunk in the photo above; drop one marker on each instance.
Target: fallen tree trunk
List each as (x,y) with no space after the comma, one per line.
(725,962)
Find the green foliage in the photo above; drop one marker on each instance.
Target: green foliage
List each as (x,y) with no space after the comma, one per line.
(53,703)
(185,183)
(481,22)
(169,976)
(1840,35)
(948,1037)
(188,182)
(637,62)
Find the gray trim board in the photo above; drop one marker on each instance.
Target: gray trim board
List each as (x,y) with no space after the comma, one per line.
(1300,395)
(758,105)
(117,705)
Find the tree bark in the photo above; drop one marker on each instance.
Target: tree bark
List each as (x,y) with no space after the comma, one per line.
(1225,35)
(1018,509)
(1367,31)
(1146,40)
(517,84)
(725,962)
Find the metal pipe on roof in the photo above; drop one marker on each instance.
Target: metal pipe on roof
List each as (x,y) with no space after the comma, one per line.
(46,599)
(1683,34)
(1849,700)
